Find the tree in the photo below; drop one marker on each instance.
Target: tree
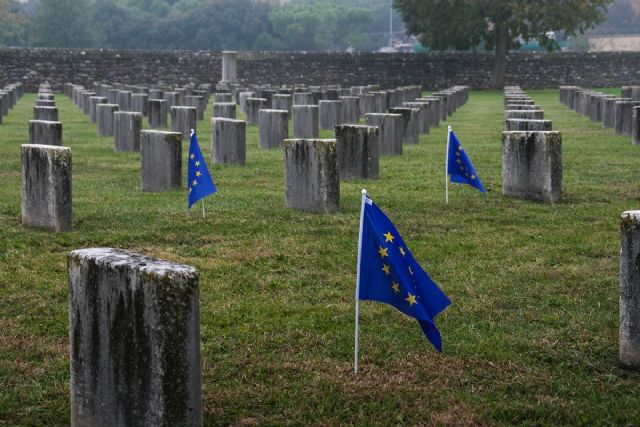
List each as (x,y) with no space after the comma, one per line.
(499,24)
(11,23)
(63,23)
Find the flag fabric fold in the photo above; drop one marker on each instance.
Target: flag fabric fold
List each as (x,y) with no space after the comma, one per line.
(199,182)
(459,166)
(390,274)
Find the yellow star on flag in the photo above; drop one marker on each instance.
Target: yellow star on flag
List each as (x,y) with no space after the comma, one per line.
(383,252)
(193,156)
(198,173)
(411,299)
(402,252)
(410,270)
(395,286)
(194,183)
(388,237)
(198,163)
(386,269)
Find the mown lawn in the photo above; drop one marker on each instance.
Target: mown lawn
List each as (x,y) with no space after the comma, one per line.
(531,337)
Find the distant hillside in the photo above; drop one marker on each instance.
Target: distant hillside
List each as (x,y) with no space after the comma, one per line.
(624,18)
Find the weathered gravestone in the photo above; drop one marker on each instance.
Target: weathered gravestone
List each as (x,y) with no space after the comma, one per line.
(358,151)
(623,116)
(104,115)
(524,114)
(330,113)
(306,121)
(350,110)
(225,110)
(228,141)
(134,338)
(46,187)
(629,335)
(253,106)
(124,100)
(390,132)
(93,107)
(528,125)
(274,128)
(410,122)
(282,102)
(160,160)
(532,165)
(183,119)
(43,132)
(229,67)
(45,103)
(311,177)
(140,103)
(158,113)
(198,103)
(127,126)
(45,113)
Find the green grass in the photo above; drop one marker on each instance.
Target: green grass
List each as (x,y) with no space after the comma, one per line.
(531,337)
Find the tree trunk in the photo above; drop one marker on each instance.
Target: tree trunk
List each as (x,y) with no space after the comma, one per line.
(500,67)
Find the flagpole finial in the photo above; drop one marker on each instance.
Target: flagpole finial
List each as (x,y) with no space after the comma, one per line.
(449,127)
(364,192)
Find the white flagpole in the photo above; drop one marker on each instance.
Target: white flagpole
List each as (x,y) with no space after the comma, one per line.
(446,178)
(202,203)
(364,200)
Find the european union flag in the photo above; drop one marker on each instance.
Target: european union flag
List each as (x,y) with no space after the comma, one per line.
(459,166)
(388,273)
(200,183)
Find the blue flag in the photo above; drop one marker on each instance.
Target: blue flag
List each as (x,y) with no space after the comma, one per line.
(390,274)
(199,183)
(459,166)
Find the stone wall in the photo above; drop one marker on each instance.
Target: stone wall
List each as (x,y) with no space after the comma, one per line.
(432,70)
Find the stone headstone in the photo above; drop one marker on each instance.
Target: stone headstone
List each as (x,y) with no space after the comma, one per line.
(140,103)
(253,106)
(350,110)
(358,151)
(532,165)
(158,113)
(127,127)
(104,115)
(223,97)
(303,98)
(225,110)
(242,100)
(527,125)
(46,187)
(134,335)
(311,178)
(229,67)
(282,102)
(45,113)
(171,98)
(273,128)
(330,114)
(124,100)
(623,116)
(524,114)
(43,132)
(45,103)
(160,160)
(390,132)
(93,109)
(410,122)
(183,119)
(228,141)
(306,121)
(198,103)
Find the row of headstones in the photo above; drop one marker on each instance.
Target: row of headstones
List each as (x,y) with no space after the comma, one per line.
(619,113)
(531,152)
(9,96)
(46,163)
(314,167)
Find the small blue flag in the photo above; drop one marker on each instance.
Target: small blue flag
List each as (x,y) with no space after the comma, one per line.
(459,166)
(199,183)
(390,274)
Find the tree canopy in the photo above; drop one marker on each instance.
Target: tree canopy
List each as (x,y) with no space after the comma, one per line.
(498,25)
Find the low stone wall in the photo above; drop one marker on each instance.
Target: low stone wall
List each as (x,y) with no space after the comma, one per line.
(431,70)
